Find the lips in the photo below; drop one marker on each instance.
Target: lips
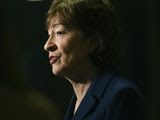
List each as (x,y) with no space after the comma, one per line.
(53,59)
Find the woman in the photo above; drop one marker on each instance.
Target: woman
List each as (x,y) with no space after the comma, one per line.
(81,46)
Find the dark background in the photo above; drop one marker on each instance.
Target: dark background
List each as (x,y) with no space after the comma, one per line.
(25,65)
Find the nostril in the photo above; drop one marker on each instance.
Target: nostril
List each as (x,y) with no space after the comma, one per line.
(52,48)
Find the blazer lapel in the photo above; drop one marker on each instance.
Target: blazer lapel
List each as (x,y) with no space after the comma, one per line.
(85,107)
(91,99)
(70,110)
(93,96)
(101,83)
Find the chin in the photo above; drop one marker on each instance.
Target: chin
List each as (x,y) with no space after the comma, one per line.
(60,71)
(57,72)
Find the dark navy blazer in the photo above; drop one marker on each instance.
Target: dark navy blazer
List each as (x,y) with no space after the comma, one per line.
(109,98)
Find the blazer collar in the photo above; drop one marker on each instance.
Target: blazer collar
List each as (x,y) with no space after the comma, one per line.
(92,97)
(100,84)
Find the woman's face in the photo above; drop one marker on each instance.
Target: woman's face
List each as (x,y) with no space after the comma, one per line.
(68,49)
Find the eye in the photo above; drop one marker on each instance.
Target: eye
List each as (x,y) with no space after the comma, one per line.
(60,33)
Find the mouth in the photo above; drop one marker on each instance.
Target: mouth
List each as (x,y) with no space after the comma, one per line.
(53,59)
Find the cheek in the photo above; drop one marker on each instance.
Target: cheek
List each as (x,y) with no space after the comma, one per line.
(71,49)
(67,60)
(66,46)
(66,54)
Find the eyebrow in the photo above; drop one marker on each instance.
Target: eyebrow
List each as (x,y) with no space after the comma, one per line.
(54,25)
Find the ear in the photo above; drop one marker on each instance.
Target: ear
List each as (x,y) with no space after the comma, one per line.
(91,44)
(95,43)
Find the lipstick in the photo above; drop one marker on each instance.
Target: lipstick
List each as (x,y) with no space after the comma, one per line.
(53,59)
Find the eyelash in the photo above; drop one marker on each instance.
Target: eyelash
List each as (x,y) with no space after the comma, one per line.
(60,33)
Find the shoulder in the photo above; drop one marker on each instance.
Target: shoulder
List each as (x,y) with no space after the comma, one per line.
(123,99)
(119,84)
(118,88)
(109,85)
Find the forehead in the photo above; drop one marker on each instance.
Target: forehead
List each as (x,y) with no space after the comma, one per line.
(54,21)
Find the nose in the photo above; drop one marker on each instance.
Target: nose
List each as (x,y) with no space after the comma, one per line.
(50,45)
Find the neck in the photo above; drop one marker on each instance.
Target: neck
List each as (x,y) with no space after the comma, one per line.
(80,91)
(81,81)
